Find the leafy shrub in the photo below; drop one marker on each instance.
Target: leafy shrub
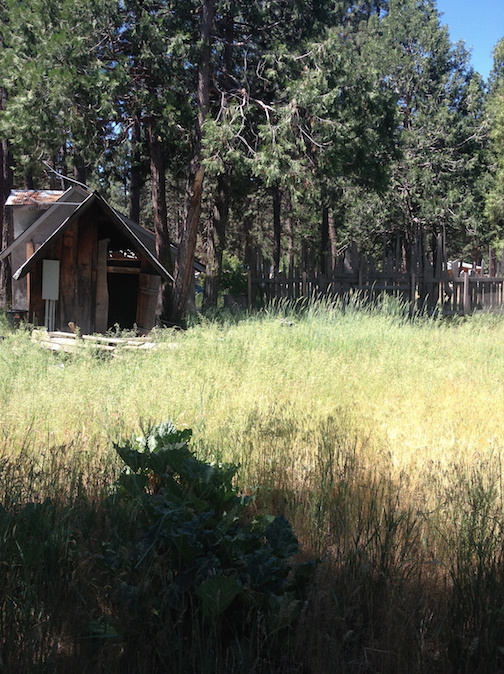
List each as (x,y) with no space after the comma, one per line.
(234,276)
(207,559)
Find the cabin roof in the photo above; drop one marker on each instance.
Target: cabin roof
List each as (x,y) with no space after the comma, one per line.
(37,198)
(62,213)
(49,220)
(116,219)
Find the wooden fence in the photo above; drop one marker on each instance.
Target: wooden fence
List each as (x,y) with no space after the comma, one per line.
(427,281)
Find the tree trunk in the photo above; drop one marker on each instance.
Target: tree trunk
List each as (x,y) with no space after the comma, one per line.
(29,183)
(216,242)
(185,256)
(216,237)
(324,238)
(289,225)
(80,170)
(277,227)
(160,218)
(135,173)
(5,266)
(332,239)
(6,224)
(247,231)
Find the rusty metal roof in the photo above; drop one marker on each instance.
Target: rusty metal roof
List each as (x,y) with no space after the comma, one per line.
(33,197)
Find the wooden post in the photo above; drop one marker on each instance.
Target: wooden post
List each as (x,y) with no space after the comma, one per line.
(466,300)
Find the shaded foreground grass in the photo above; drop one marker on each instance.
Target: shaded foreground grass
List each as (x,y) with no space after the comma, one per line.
(378,437)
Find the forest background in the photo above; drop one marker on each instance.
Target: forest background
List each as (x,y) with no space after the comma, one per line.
(278,124)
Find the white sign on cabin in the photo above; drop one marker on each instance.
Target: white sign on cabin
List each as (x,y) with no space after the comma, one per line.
(50,290)
(50,279)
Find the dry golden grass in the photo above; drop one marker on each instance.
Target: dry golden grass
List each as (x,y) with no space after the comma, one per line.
(379,437)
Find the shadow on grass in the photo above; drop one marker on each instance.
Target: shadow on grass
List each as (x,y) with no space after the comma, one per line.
(404,586)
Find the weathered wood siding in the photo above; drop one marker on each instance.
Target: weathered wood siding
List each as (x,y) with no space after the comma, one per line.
(68,278)
(87,263)
(34,283)
(147,300)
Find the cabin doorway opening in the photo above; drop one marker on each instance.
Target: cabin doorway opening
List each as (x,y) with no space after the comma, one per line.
(123,299)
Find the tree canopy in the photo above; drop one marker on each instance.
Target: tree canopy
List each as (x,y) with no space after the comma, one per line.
(272,123)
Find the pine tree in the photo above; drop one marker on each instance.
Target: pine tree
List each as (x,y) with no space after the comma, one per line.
(435,182)
(495,120)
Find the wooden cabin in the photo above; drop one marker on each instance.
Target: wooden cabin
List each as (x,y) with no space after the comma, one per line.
(77,260)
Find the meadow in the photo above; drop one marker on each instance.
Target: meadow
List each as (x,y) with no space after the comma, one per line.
(378,436)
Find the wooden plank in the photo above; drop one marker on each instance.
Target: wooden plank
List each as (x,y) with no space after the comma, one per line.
(68,277)
(147,300)
(122,270)
(29,253)
(36,303)
(132,341)
(102,294)
(86,293)
(70,343)
(466,299)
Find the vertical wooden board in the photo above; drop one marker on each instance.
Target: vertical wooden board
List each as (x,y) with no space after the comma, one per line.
(19,288)
(347,262)
(281,284)
(466,296)
(147,300)
(94,276)
(68,278)
(37,313)
(85,297)
(102,294)
(34,290)
(29,253)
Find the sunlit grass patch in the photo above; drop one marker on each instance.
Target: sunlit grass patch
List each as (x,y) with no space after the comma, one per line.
(379,436)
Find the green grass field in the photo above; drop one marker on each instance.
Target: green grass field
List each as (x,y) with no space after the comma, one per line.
(379,437)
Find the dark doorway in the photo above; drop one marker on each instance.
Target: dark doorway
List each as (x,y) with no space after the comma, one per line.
(123,298)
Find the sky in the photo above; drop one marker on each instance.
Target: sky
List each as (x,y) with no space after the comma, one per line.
(480,23)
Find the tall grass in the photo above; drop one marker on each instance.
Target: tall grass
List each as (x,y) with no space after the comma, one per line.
(378,435)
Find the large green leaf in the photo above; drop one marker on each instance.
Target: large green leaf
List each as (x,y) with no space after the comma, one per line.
(281,538)
(216,594)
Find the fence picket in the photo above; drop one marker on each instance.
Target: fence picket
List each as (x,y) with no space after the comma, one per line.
(427,283)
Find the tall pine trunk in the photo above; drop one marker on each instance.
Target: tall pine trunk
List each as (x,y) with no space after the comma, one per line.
(80,169)
(135,173)
(289,226)
(332,239)
(216,242)
(184,272)
(160,217)
(217,226)
(6,224)
(277,227)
